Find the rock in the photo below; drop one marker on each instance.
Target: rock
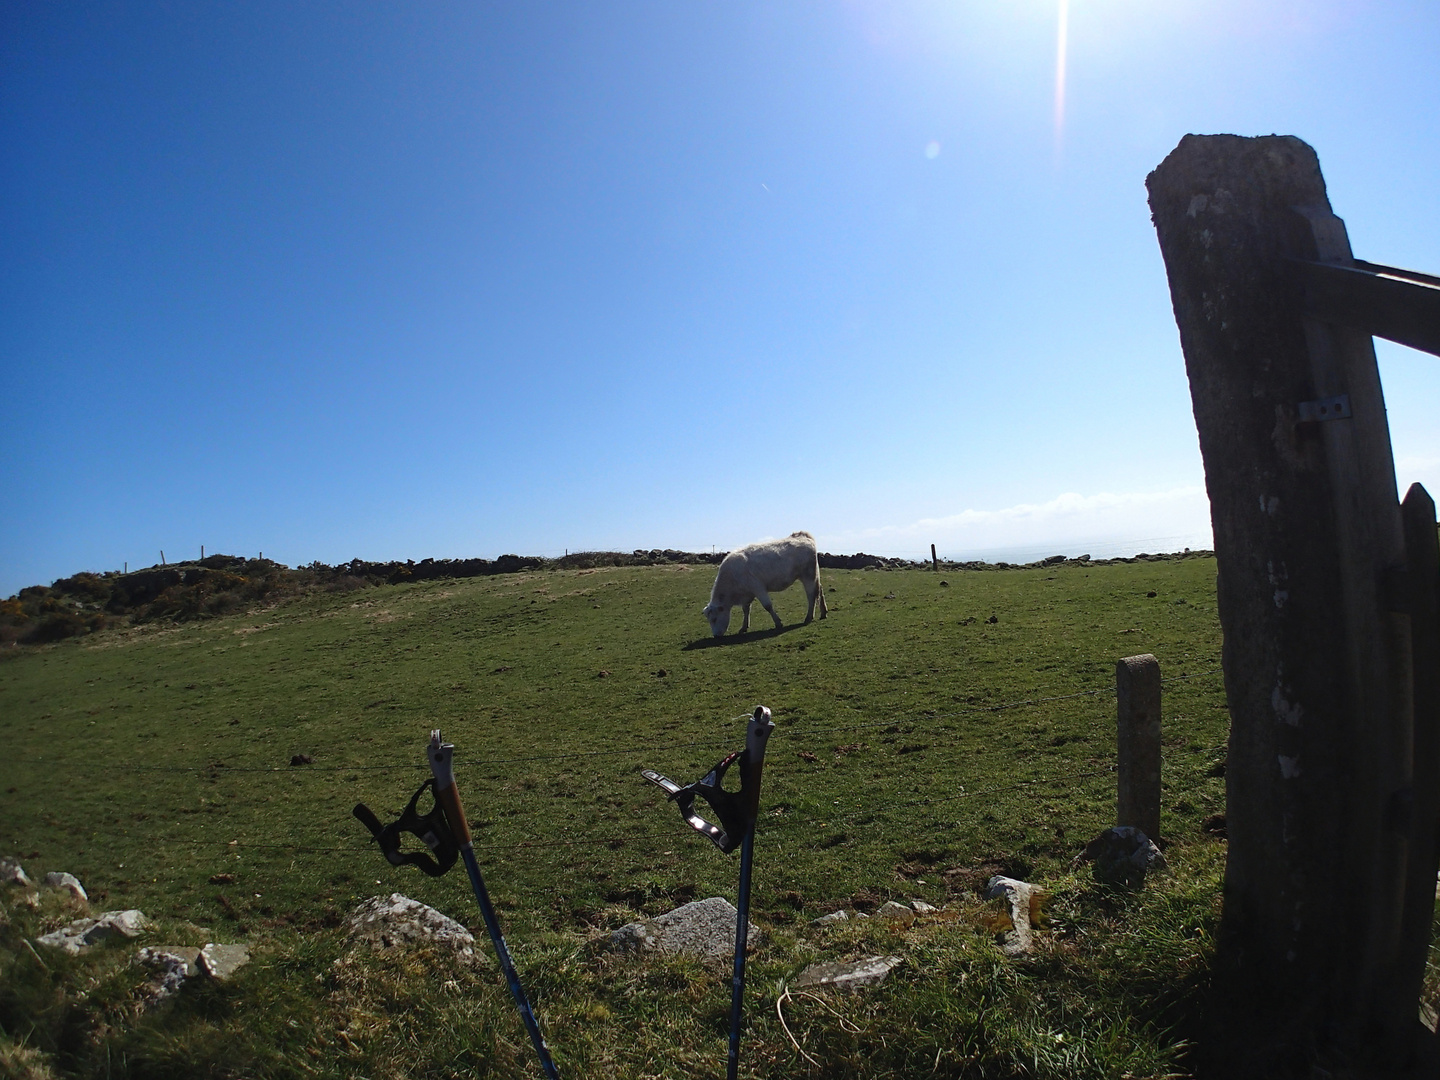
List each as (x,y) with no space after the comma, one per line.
(944,584)
(834,917)
(12,873)
(890,911)
(851,975)
(1123,855)
(397,922)
(168,971)
(993,619)
(188,953)
(82,933)
(220,962)
(301,759)
(922,908)
(69,882)
(1026,902)
(705,927)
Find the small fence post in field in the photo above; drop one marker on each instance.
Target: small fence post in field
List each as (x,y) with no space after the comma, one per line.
(1325,766)
(162,556)
(934,559)
(1137,695)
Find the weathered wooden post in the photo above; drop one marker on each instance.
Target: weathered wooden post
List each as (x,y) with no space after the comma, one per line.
(934,559)
(1311,591)
(1137,732)
(1423,556)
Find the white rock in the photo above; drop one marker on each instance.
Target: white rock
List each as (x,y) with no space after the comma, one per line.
(834,917)
(890,911)
(852,975)
(922,908)
(12,873)
(220,962)
(397,922)
(706,927)
(82,933)
(69,882)
(1024,899)
(168,971)
(189,953)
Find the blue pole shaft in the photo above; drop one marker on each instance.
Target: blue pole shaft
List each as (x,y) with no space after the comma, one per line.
(492,924)
(742,933)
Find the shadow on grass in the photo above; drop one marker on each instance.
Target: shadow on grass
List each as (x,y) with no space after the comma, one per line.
(740,639)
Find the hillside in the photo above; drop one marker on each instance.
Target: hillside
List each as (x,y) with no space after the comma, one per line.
(934,729)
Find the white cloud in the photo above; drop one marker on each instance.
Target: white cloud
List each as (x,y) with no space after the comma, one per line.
(1101,524)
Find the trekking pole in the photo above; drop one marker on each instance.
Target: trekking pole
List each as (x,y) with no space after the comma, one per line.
(446,832)
(737,812)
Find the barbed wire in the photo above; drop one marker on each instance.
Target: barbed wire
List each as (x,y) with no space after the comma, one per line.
(219,767)
(362,846)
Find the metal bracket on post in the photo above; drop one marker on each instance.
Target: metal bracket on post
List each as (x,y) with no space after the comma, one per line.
(1330,408)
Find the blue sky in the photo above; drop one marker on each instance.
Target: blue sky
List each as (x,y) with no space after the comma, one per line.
(395,281)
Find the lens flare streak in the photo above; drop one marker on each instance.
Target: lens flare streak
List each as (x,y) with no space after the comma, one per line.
(1060,50)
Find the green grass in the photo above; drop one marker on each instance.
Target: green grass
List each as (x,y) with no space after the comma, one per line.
(147,761)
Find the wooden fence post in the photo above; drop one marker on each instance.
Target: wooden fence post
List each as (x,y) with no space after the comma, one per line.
(1137,729)
(934,559)
(1310,557)
(1423,555)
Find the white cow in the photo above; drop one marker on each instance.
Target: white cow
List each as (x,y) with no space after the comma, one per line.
(755,571)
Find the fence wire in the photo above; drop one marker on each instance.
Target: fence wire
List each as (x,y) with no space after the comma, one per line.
(830,821)
(645,747)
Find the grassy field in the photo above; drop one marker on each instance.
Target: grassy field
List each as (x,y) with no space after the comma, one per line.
(919,747)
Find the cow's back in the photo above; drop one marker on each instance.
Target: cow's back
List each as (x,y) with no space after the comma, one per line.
(782,562)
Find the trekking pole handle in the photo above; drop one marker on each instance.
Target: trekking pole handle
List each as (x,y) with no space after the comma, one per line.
(442,757)
(757,736)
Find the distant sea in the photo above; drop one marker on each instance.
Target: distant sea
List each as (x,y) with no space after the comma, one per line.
(1096,549)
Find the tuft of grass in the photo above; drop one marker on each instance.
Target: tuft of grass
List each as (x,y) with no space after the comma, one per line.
(920,748)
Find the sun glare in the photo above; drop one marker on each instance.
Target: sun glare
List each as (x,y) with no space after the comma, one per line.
(1060,48)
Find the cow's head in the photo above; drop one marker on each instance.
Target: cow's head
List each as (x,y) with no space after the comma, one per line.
(719,617)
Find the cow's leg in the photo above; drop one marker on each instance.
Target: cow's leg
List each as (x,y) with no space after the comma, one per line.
(768,605)
(814,592)
(745,626)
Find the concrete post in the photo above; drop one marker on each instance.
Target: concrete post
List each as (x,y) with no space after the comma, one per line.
(1137,729)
